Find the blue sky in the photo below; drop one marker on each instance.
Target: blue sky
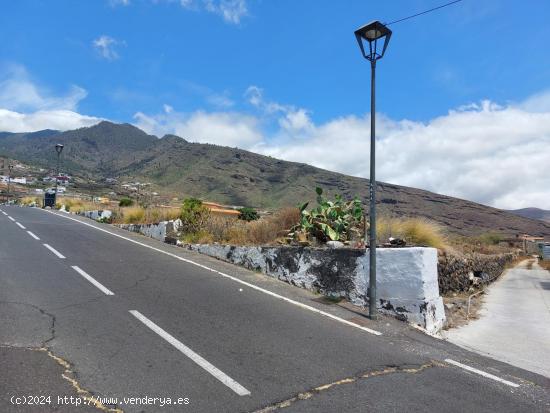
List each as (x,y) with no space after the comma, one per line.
(277,77)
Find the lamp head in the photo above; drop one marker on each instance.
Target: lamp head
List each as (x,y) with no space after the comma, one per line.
(59,148)
(377,35)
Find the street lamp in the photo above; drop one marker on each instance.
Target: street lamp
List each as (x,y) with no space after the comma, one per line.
(58,149)
(10,168)
(377,36)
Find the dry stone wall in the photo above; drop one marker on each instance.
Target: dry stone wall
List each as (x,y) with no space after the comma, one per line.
(461,273)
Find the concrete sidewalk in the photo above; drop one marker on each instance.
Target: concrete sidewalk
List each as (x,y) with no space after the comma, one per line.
(514,323)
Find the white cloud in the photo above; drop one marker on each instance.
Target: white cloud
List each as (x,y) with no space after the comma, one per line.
(219,100)
(19,92)
(487,153)
(106,47)
(221,128)
(232,11)
(11,121)
(27,107)
(292,120)
(539,102)
(115,3)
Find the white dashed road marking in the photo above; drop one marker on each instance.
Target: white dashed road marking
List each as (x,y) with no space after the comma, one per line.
(20,226)
(481,373)
(92,280)
(11,219)
(54,251)
(214,371)
(32,235)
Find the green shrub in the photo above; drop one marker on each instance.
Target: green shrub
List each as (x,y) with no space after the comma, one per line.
(491,238)
(248,214)
(125,202)
(194,215)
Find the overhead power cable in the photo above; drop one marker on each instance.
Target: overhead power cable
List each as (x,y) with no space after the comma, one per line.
(423,12)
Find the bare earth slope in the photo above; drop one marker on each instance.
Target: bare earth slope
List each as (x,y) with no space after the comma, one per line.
(238,177)
(533,213)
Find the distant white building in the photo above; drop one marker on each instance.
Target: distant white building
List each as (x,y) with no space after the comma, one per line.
(14,180)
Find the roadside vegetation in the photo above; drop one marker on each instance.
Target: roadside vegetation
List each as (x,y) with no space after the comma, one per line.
(31,201)
(269,229)
(330,219)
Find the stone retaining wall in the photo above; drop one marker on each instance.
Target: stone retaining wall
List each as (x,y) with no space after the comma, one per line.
(165,231)
(97,214)
(407,277)
(460,273)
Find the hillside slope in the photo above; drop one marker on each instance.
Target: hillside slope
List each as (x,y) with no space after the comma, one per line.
(533,213)
(238,177)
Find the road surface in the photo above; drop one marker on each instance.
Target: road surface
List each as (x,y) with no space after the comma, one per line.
(111,316)
(514,323)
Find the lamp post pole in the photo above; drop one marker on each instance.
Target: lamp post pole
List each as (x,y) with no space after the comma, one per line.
(10,168)
(57,172)
(372,193)
(377,36)
(58,149)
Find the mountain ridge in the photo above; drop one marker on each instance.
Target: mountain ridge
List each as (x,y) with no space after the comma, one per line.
(533,213)
(239,177)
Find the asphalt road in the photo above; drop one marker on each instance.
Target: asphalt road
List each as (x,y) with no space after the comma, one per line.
(124,316)
(514,322)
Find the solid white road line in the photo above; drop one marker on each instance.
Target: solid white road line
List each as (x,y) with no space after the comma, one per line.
(54,251)
(214,371)
(20,226)
(11,218)
(32,235)
(254,287)
(92,280)
(481,373)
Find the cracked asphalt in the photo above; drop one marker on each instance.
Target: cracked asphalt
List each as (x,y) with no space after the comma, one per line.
(60,334)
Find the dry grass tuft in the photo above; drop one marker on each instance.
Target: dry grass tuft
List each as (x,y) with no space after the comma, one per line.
(154,215)
(415,231)
(140,215)
(132,215)
(31,200)
(77,204)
